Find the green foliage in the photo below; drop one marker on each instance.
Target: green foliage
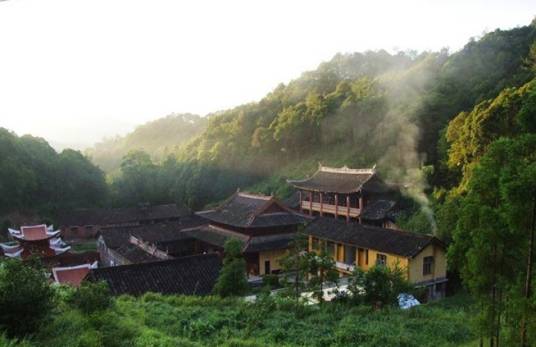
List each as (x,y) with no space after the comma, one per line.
(92,297)
(232,280)
(379,286)
(511,113)
(159,138)
(33,177)
(321,271)
(25,297)
(156,320)
(492,237)
(296,263)
(356,109)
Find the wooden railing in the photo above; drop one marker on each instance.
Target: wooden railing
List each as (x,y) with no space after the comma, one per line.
(345,267)
(327,208)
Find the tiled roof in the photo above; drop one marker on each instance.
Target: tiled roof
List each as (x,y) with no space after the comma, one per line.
(134,254)
(83,217)
(342,180)
(269,242)
(377,210)
(335,180)
(72,275)
(249,210)
(392,241)
(114,237)
(215,236)
(193,275)
(71,259)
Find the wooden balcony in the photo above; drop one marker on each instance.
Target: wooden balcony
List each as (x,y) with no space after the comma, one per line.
(344,267)
(327,208)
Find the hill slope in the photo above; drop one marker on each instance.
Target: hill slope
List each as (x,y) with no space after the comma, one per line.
(158,138)
(356,109)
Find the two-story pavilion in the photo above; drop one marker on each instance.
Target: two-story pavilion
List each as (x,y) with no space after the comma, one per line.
(34,240)
(262,223)
(351,194)
(421,257)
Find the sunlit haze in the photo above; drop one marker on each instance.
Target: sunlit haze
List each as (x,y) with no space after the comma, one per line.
(75,71)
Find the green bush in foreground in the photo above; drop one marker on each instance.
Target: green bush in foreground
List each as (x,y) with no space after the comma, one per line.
(25,297)
(156,320)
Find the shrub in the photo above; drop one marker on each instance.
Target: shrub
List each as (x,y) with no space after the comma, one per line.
(271,280)
(92,297)
(26,298)
(232,280)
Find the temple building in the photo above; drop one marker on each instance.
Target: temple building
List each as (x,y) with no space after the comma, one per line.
(421,257)
(146,243)
(86,223)
(72,275)
(263,225)
(36,240)
(350,194)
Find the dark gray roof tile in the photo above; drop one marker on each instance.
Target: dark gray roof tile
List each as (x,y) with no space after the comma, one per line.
(193,275)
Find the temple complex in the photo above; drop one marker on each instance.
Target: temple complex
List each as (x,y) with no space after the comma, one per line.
(37,240)
(350,194)
(263,225)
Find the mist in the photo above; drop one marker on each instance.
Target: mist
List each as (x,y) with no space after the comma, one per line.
(73,82)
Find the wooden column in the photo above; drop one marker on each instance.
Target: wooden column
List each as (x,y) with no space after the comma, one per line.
(347,208)
(300,194)
(336,205)
(311,203)
(360,207)
(321,205)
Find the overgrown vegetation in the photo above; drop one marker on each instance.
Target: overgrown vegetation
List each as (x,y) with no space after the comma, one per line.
(155,320)
(25,297)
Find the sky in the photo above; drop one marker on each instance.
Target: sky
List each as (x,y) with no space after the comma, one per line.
(75,71)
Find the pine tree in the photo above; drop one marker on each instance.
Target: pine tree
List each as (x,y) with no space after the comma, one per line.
(232,280)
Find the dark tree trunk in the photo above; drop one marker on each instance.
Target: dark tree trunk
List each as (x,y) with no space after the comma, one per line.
(528,280)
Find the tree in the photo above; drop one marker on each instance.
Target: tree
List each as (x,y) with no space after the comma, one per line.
(92,297)
(25,296)
(379,286)
(296,264)
(321,271)
(232,280)
(494,239)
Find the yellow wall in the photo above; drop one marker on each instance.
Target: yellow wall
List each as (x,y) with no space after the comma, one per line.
(392,260)
(273,257)
(412,267)
(439,268)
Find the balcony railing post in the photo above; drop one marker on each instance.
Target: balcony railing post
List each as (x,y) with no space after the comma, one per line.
(336,205)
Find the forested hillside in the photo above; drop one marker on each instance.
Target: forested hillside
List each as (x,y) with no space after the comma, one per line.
(357,109)
(36,179)
(159,138)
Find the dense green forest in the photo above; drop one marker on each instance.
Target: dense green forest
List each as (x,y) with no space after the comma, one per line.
(37,182)
(357,109)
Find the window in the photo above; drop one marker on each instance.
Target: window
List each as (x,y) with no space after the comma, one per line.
(330,249)
(427,265)
(316,244)
(381,259)
(366,256)
(349,255)
(340,252)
